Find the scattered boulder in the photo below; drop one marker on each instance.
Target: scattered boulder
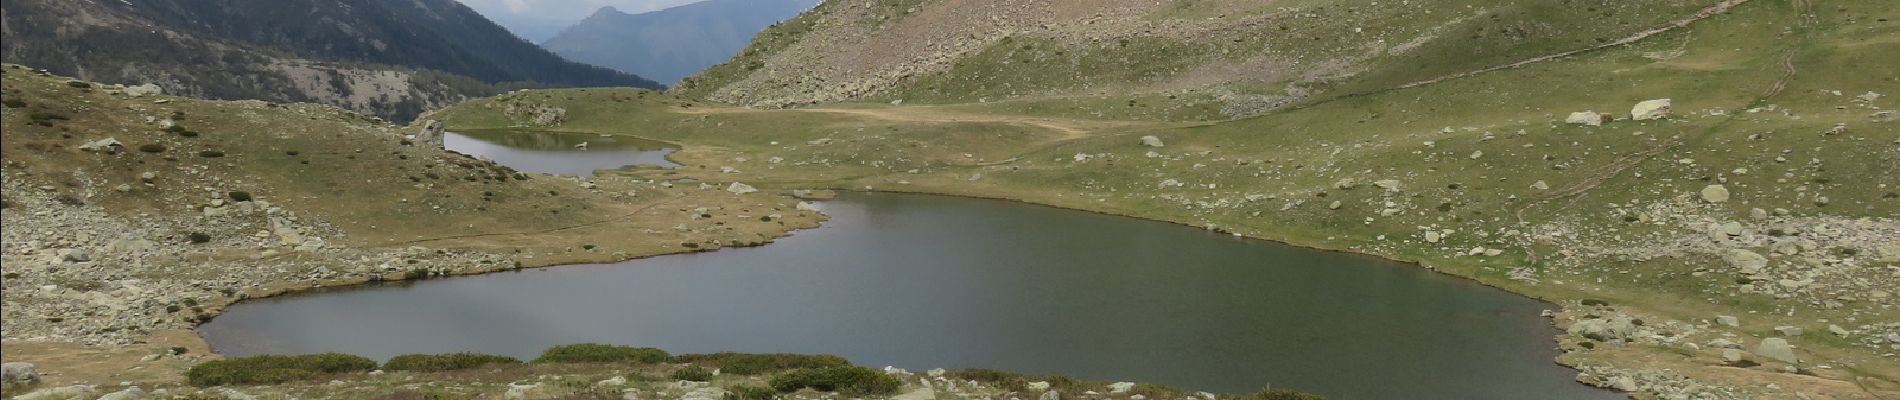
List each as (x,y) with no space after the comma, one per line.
(64,392)
(1390,185)
(1715,194)
(1152,141)
(1591,118)
(1039,385)
(1727,320)
(741,188)
(1777,349)
(1050,395)
(107,145)
(144,90)
(1477,154)
(1748,262)
(431,133)
(1651,109)
(1540,185)
(16,372)
(1121,387)
(1789,331)
(1432,236)
(1732,356)
(130,393)
(807,206)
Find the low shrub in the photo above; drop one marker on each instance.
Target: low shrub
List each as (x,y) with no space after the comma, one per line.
(750,393)
(754,364)
(270,370)
(79,84)
(445,362)
(198,237)
(1284,394)
(849,380)
(152,148)
(692,373)
(597,353)
(211,154)
(14,103)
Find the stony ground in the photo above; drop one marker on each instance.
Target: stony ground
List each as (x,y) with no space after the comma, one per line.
(112,253)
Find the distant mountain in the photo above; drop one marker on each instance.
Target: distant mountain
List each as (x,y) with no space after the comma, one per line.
(393,58)
(670,44)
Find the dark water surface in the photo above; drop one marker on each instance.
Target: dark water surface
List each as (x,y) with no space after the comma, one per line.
(922,281)
(555,153)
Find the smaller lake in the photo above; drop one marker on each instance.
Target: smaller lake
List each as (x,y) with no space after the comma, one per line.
(557,152)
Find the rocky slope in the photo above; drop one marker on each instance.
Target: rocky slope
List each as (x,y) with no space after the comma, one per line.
(393,59)
(670,44)
(130,216)
(1240,56)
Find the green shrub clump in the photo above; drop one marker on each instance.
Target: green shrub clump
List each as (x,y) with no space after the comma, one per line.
(445,362)
(849,380)
(1284,394)
(79,84)
(599,353)
(197,237)
(751,393)
(270,370)
(152,148)
(754,364)
(692,373)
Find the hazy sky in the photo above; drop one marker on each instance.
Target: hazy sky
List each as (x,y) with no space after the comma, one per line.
(538,19)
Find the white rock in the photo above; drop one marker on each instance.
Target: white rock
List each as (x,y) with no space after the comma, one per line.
(130,393)
(1748,262)
(741,188)
(18,372)
(63,392)
(807,206)
(1651,109)
(1039,385)
(1591,118)
(1151,141)
(1715,194)
(1726,320)
(1776,349)
(107,144)
(1121,387)
(1540,185)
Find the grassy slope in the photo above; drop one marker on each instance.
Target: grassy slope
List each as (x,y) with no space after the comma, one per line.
(1763,55)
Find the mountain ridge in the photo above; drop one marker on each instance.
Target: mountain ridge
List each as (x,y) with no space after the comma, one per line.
(392,59)
(671,43)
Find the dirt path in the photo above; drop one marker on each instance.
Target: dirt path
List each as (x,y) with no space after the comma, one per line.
(1068,129)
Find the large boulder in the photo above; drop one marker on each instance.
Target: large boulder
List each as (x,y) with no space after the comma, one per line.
(1715,194)
(130,393)
(431,133)
(1591,118)
(1748,262)
(16,372)
(1651,109)
(144,90)
(1776,349)
(107,145)
(64,392)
